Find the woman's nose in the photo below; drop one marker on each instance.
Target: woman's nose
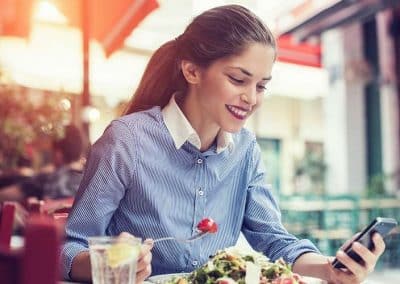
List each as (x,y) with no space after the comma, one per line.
(249,97)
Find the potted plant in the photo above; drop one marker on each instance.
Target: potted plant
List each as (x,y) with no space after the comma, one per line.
(26,118)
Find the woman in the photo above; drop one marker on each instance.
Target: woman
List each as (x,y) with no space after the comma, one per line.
(181,154)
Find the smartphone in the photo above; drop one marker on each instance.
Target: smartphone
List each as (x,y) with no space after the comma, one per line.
(380,225)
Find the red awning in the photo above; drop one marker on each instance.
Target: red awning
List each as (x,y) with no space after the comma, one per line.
(301,53)
(110,22)
(15,17)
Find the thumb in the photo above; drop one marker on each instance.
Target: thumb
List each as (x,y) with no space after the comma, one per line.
(348,242)
(146,247)
(149,243)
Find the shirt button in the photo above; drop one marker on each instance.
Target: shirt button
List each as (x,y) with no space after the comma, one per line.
(195,262)
(199,161)
(201,193)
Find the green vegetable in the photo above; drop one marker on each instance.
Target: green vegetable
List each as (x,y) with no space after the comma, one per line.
(231,264)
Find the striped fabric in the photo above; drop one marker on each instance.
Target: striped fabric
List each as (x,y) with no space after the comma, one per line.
(137,181)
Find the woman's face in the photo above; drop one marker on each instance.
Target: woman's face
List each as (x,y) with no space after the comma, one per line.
(231,89)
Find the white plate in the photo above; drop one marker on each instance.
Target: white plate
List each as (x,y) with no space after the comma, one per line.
(160,279)
(312,280)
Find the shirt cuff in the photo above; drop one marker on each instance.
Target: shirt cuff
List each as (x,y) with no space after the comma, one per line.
(68,253)
(293,252)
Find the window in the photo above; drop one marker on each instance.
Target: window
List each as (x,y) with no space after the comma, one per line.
(271,156)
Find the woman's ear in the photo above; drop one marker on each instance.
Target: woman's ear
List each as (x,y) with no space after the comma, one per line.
(190,71)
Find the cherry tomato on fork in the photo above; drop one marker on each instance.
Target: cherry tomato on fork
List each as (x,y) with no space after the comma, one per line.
(207,225)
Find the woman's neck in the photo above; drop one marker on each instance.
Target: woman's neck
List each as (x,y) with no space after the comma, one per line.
(206,130)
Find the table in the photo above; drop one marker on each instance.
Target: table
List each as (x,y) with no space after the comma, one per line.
(71,282)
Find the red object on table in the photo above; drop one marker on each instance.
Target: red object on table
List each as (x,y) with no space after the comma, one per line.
(38,261)
(207,225)
(8,211)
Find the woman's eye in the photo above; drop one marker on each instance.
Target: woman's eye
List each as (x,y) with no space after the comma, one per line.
(261,88)
(236,80)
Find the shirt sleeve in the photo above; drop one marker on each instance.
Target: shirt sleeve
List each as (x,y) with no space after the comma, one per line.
(108,173)
(262,225)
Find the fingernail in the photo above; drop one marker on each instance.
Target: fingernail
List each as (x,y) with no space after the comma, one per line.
(356,244)
(340,253)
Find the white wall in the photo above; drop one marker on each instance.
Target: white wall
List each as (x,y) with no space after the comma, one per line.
(344,113)
(293,121)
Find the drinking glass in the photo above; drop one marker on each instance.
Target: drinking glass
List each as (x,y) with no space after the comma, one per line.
(114,259)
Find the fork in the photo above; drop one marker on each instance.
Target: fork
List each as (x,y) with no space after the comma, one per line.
(191,239)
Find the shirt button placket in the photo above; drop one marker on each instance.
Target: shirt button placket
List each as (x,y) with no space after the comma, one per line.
(199,207)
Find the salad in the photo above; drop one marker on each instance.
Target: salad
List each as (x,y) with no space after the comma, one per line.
(229,266)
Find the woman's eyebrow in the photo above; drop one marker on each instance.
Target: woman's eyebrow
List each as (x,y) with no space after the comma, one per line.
(244,71)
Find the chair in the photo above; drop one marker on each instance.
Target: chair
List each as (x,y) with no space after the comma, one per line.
(38,261)
(8,212)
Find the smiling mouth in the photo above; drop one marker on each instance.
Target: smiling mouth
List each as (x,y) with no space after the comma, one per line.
(238,113)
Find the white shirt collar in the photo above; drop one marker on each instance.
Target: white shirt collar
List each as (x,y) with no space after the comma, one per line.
(181,130)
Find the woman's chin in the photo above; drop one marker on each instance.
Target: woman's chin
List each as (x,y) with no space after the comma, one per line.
(233,129)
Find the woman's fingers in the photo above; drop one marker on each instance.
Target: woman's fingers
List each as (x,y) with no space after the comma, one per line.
(146,248)
(145,257)
(143,274)
(356,272)
(354,267)
(379,244)
(340,276)
(149,242)
(349,241)
(144,261)
(143,269)
(368,256)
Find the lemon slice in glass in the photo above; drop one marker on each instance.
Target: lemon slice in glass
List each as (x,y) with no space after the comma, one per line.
(121,253)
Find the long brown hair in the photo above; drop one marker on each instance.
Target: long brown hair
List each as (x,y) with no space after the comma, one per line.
(216,33)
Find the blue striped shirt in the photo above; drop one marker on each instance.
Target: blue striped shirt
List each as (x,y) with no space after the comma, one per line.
(137,181)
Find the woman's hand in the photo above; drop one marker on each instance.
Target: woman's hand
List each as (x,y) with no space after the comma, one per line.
(143,269)
(356,272)
(144,262)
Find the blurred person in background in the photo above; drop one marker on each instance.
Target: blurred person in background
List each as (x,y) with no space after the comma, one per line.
(181,152)
(62,182)
(23,171)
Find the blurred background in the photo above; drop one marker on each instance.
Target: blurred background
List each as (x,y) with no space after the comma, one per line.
(328,129)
